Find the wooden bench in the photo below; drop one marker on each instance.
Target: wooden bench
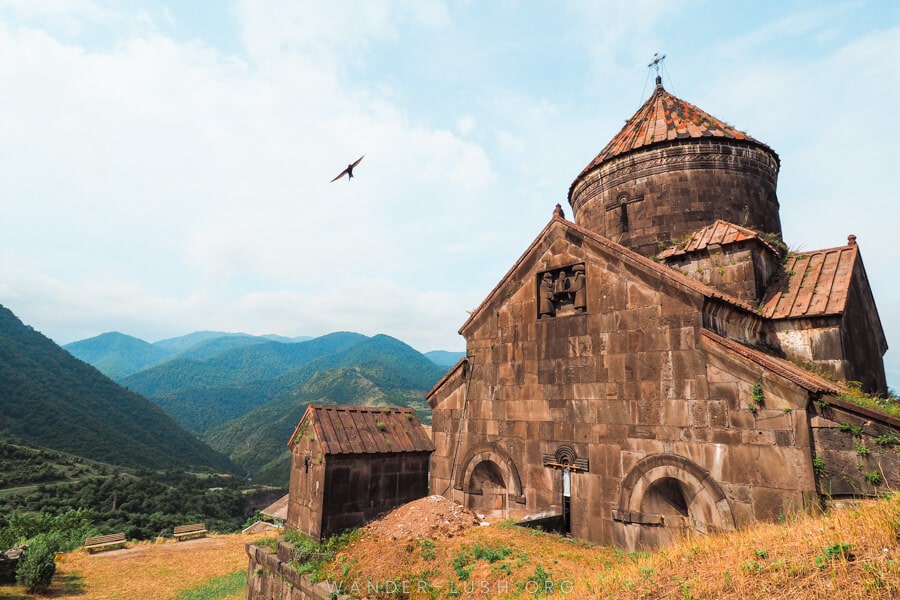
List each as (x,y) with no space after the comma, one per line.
(104,542)
(185,532)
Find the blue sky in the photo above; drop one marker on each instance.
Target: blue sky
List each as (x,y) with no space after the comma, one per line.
(164,168)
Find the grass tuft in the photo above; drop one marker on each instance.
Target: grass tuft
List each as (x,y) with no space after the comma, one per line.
(217,588)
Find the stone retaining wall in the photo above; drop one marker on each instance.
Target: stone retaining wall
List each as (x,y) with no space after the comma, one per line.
(271,577)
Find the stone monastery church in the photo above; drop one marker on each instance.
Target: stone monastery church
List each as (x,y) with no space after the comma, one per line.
(661,361)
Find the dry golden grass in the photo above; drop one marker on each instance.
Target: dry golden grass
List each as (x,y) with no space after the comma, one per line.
(801,559)
(145,570)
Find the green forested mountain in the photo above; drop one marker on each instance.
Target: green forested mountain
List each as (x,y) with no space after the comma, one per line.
(181,343)
(117,355)
(395,372)
(204,394)
(212,347)
(54,400)
(379,371)
(236,366)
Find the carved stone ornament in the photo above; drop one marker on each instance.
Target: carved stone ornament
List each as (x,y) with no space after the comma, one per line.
(566,458)
(562,291)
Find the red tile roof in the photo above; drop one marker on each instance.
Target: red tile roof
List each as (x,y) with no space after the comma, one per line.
(817,284)
(663,118)
(721,233)
(365,429)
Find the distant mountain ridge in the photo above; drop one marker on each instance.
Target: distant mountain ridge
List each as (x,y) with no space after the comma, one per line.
(118,355)
(244,394)
(54,400)
(236,366)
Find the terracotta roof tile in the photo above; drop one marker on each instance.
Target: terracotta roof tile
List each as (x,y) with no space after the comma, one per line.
(721,233)
(664,117)
(817,284)
(365,429)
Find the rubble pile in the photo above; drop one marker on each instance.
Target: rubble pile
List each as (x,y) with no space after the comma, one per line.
(429,517)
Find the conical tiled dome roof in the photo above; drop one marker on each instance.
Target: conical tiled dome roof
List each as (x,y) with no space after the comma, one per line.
(663,118)
(672,170)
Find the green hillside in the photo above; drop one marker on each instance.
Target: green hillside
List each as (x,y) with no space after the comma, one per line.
(22,465)
(396,370)
(388,363)
(117,355)
(54,400)
(200,409)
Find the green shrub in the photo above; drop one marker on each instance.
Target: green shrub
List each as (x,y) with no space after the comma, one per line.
(38,564)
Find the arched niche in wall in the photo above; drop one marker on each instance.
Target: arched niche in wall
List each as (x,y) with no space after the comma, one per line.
(489,477)
(667,490)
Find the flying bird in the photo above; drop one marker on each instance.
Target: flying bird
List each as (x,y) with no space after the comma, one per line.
(348,171)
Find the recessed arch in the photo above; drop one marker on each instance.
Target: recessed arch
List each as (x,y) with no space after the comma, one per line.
(667,489)
(497,455)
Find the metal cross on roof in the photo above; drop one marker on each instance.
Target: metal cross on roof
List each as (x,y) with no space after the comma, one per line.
(657,59)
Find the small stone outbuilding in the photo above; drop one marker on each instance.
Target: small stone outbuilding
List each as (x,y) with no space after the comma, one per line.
(349,464)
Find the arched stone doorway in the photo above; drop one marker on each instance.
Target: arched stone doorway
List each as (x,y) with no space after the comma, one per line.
(666,494)
(487,489)
(490,481)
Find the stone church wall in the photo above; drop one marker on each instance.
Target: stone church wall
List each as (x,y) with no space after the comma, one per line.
(357,487)
(862,338)
(652,412)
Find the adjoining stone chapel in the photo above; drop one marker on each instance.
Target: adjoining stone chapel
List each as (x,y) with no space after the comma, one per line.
(652,364)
